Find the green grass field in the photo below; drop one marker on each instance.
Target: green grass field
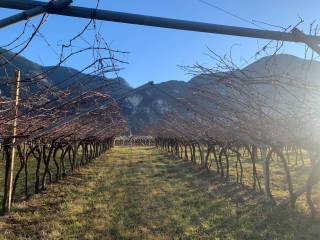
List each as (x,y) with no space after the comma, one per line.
(140,193)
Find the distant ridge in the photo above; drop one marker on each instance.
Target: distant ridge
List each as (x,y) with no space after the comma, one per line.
(150,104)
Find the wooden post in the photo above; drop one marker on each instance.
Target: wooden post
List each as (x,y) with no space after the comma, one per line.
(7,198)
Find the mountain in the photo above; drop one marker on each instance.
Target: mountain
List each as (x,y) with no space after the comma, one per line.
(57,77)
(151,103)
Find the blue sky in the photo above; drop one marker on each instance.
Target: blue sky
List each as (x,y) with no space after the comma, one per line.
(155,54)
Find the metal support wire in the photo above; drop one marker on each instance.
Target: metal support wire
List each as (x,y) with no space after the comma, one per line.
(137,19)
(105,15)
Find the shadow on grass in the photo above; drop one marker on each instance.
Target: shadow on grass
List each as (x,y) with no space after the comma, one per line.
(138,193)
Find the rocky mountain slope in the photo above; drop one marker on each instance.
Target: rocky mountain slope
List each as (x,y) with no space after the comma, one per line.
(150,104)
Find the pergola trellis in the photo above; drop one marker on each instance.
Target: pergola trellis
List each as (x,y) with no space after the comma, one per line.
(32,8)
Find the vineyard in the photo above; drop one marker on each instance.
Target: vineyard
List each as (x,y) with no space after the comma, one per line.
(232,153)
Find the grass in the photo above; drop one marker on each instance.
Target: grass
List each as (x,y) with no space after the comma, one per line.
(279,188)
(139,193)
(32,163)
